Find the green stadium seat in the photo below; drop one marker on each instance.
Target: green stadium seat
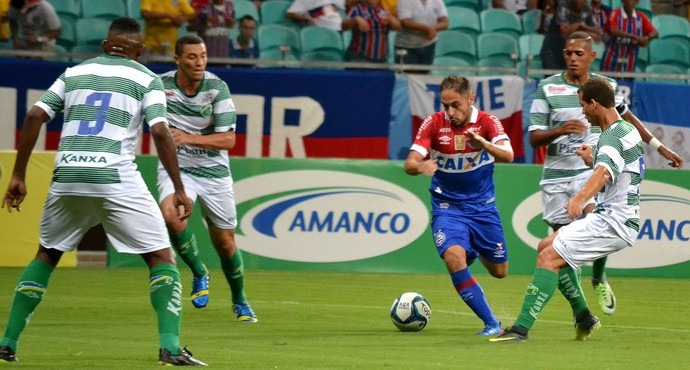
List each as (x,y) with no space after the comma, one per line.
(273,36)
(276,54)
(599,48)
(108,9)
(87,51)
(672,27)
(61,58)
(448,61)
(273,12)
(530,21)
(475,5)
(501,20)
(322,41)
(673,52)
(496,49)
(246,7)
(643,58)
(530,45)
(134,9)
(71,8)
(465,20)
(68,37)
(391,46)
(645,6)
(456,44)
(91,30)
(664,69)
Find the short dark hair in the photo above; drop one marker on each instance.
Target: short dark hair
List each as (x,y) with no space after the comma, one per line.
(459,84)
(581,35)
(247,18)
(124,25)
(598,89)
(186,40)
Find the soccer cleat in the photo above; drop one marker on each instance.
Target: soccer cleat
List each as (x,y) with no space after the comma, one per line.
(491,330)
(200,291)
(511,335)
(605,298)
(244,312)
(183,359)
(7,354)
(585,328)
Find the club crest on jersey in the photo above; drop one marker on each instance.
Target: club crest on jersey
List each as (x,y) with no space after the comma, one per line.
(459,142)
(439,238)
(206,111)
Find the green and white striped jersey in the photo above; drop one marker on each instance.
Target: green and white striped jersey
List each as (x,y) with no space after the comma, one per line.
(210,111)
(555,103)
(620,149)
(105,100)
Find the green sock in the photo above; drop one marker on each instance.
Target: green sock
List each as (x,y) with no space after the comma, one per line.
(166,297)
(538,294)
(234,274)
(569,285)
(185,246)
(599,270)
(27,295)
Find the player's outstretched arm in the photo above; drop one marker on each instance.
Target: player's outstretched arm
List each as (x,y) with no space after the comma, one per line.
(16,191)
(674,160)
(167,153)
(415,164)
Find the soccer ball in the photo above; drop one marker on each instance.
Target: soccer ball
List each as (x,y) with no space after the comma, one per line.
(410,312)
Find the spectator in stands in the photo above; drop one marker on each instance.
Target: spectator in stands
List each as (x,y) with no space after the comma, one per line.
(162,20)
(548,10)
(245,45)
(571,16)
(420,20)
(214,22)
(515,6)
(321,13)
(601,17)
(370,23)
(681,8)
(34,25)
(4,21)
(628,31)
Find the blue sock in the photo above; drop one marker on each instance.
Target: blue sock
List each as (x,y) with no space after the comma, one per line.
(471,292)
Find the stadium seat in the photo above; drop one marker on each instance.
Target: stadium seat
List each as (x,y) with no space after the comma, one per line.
(672,27)
(452,62)
(599,48)
(91,30)
(456,44)
(664,69)
(501,20)
(108,9)
(273,12)
(496,49)
(642,58)
(475,5)
(86,51)
(71,8)
(645,6)
(61,58)
(673,52)
(465,20)
(530,47)
(391,46)
(320,42)
(530,21)
(134,9)
(276,54)
(68,37)
(273,36)
(246,7)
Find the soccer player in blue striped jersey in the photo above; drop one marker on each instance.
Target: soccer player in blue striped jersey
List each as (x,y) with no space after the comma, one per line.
(202,120)
(105,102)
(617,159)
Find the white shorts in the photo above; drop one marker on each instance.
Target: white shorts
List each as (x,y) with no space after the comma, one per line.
(554,197)
(133,224)
(218,205)
(586,240)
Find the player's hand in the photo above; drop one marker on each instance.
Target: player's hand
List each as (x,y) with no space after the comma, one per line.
(183,205)
(674,159)
(476,140)
(573,127)
(180,137)
(429,167)
(16,192)
(574,208)
(586,154)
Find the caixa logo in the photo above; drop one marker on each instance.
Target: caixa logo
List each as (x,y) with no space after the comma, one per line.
(664,227)
(326,216)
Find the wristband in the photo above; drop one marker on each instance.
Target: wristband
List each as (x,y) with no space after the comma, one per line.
(655,143)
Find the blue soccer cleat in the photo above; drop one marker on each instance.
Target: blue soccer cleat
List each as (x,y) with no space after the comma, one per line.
(200,291)
(244,312)
(492,329)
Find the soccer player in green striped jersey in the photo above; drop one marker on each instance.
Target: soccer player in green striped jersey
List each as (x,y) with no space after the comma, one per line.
(612,226)
(556,121)
(202,120)
(105,102)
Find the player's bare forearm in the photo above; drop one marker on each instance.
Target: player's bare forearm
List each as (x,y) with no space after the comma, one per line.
(167,152)
(30,131)
(502,151)
(598,179)
(416,165)
(220,141)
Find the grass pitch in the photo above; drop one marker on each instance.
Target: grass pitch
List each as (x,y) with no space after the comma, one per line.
(102,318)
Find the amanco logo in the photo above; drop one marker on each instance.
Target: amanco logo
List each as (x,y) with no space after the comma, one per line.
(326,216)
(664,230)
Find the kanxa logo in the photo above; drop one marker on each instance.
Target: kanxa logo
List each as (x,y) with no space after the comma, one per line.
(664,227)
(326,216)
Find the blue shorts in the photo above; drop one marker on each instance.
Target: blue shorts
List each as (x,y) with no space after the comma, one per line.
(476,228)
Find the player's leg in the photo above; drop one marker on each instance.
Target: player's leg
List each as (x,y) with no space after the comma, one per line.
(124,231)
(183,239)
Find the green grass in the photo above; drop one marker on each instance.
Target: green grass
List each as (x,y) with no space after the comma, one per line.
(101,318)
